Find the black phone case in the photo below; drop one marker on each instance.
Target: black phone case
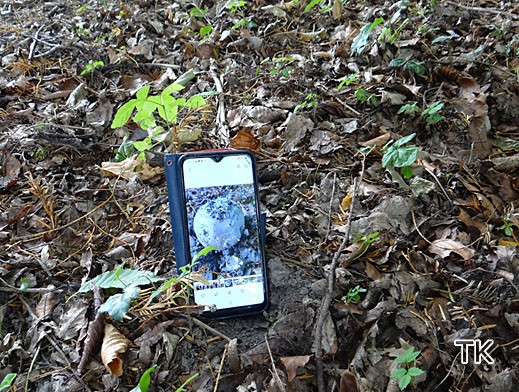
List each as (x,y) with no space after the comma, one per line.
(175,186)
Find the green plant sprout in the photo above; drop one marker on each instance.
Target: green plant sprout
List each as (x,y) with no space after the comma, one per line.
(198,12)
(365,96)
(7,381)
(408,109)
(206,30)
(431,113)
(508,227)
(146,107)
(352,78)
(91,66)
(405,374)
(236,6)
(144,380)
(362,40)
(365,242)
(282,66)
(310,102)
(396,154)
(353,295)
(409,64)
(312,4)
(185,270)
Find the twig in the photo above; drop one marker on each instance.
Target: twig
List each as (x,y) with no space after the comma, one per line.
(275,374)
(34,42)
(220,113)
(504,13)
(220,369)
(327,300)
(210,329)
(26,388)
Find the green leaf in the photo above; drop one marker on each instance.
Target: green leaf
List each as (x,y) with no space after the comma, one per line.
(123,114)
(406,156)
(173,88)
(407,172)
(196,101)
(361,41)
(142,94)
(144,145)
(389,157)
(206,30)
(145,380)
(203,252)
(312,4)
(400,372)
(127,277)
(414,371)
(404,140)
(25,283)
(404,381)
(397,62)
(411,355)
(117,305)
(181,388)
(7,381)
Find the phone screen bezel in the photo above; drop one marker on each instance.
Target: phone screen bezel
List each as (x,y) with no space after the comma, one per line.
(238,310)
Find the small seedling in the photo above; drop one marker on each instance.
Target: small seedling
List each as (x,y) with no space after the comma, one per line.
(348,80)
(310,102)
(364,96)
(91,66)
(198,12)
(353,294)
(236,6)
(146,107)
(508,227)
(431,113)
(396,154)
(363,39)
(206,30)
(406,372)
(312,4)
(7,381)
(145,380)
(408,109)
(409,64)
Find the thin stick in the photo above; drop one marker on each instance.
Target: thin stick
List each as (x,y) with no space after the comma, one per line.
(275,374)
(220,369)
(327,300)
(210,329)
(220,115)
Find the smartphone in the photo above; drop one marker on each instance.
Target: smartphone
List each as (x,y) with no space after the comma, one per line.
(216,222)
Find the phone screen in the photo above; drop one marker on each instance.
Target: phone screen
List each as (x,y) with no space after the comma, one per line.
(222,212)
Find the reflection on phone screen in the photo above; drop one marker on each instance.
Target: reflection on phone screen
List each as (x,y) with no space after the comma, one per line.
(222,213)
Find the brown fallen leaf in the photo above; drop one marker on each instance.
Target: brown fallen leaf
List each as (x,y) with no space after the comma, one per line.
(114,343)
(349,382)
(46,304)
(292,363)
(245,139)
(94,334)
(445,247)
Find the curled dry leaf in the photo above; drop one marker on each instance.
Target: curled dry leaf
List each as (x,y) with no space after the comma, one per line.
(114,343)
(292,363)
(46,304)
(445,247)
(245,139)
(94,334)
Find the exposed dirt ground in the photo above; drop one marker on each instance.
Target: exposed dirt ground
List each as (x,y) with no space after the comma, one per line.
(321,91)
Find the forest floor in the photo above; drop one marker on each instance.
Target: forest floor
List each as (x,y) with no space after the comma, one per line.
(419,236)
